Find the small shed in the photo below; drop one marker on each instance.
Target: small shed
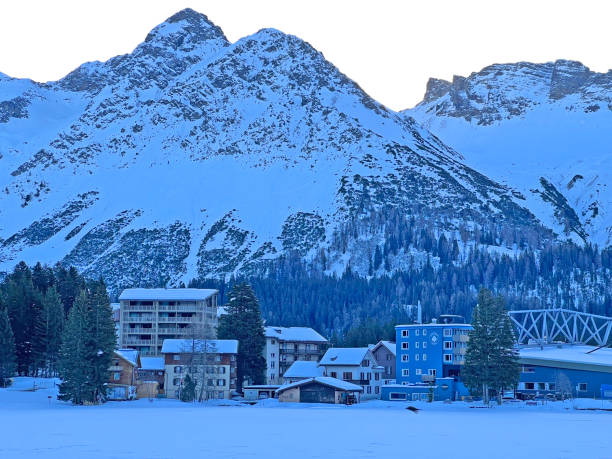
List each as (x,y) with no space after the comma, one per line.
(321,389)
(259,391)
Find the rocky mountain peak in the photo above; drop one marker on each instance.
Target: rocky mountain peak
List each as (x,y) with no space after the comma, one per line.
(567,77)
(436,88)
(186,30)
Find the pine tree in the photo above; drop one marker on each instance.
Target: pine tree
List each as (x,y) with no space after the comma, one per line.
(243,322)
(102,338)
(49,327)
(74,368)
(188,389)
(7,349)
(491,360)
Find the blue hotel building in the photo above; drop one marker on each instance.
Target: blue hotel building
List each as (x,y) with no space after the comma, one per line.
(429,359)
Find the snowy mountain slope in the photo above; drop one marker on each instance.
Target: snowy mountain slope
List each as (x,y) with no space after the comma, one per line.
(543,129)
(192,157)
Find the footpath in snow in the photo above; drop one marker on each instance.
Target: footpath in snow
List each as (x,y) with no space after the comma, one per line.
(34,425)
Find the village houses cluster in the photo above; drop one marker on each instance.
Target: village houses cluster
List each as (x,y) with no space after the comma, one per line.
(157,349)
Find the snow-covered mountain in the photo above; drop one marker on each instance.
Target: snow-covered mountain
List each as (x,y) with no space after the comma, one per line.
(544,129)
(193,156)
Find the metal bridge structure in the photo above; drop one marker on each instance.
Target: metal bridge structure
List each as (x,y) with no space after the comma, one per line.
(543,326)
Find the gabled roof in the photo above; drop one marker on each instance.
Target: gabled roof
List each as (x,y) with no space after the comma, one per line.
(215,346)
(324,380)
(294,334)
(304,369)
(129,355)
(387,344)
(177,294)
(152,363)
(344,356)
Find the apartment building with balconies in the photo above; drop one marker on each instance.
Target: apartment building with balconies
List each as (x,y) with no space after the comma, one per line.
(285,345)
(150,316)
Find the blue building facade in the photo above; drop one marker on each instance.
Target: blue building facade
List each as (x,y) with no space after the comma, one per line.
(430,355)
(566,370)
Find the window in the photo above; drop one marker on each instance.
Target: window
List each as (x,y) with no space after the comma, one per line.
(222,370)
(347,375)
(424,331)
(416,357)
(416,332)
(176,357)
(178,369)
(448,344)
(405,345)
(405,333)
(369,389)
(431,372)
(271,375)
(334,374)
(405,358)
(526,369)
(365,363)
(117,375)
(176,381)
(272,364)
(388,357)
(233,358)
(376,376)
(551,386)
(377,390)
(424,344)
(582,386)
(397,396)
(217,358)
(416,344)
(424,356)
(273,341)
(220,382)
(418,371)
(529,386)
(415,397)
(448,332)
(448,357)
(541,386)
(272,355)
(362,376)
(405,372)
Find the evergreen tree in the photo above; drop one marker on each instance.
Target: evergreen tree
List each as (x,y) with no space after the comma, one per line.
(490,360)
(49,327)
(102,338)
(74,368)
(243,322)
(7,349)
(188,389)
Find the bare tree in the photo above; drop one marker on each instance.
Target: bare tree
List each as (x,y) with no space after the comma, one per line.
(564,385)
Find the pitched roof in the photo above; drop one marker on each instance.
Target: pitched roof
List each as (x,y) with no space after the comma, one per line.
(387,344)
(294,334)
(579,357)
(304,369)
(178,294)
(326,381)
(344,356)
(131,355)
(152,363)
(215,346)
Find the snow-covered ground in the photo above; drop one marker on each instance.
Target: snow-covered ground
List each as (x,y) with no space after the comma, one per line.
(32,425)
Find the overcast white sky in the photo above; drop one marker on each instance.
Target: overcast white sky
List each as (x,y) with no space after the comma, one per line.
(389,47)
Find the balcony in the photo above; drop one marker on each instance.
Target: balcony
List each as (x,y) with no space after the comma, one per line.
(138,308)
(139,330)
(178,319)
(139,342)
(140,319)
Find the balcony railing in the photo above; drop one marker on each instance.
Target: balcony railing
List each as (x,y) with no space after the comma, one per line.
(178,319)
(140,342)
(139,330)
(138,319)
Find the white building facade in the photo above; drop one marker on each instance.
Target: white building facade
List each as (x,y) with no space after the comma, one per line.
(355,365)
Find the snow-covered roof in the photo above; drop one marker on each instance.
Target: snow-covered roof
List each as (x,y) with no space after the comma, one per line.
(152,363)
(177,294)
(304,369)
(294,334)
(579,357)
(215,346)
(344,356)
(326,381)
(387,344)
(131,355)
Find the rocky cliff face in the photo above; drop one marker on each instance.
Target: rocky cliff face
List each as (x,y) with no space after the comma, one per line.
(540,128)
(193,156)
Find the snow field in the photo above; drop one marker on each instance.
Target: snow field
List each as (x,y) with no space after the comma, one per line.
(34,426)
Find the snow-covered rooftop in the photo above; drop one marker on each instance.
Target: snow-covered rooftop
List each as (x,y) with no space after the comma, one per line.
(178,294)
(568,356)
(294,334)
(344,356)
(387,344)
(215,346)
(131,355)
(304,369)
(152,363)
(325,380)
